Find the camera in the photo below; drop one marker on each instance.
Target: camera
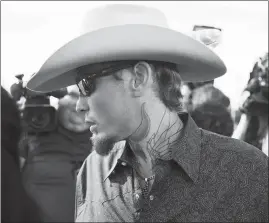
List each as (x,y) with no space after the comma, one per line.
(38,115)
(256,92)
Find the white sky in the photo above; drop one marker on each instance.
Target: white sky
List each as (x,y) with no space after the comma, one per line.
(32,31)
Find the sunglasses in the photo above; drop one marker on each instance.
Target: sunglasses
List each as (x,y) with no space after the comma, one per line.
(86,80)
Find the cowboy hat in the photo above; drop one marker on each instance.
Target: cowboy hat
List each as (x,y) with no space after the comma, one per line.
(131,34)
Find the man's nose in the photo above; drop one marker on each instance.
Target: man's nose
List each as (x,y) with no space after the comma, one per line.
(82,104)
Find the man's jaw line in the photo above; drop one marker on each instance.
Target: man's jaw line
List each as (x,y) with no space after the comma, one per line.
(154,141)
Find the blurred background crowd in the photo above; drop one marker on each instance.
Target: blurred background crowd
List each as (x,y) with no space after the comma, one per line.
(44,144)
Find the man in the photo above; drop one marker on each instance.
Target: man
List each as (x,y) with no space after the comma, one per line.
(151,162)
(53,160)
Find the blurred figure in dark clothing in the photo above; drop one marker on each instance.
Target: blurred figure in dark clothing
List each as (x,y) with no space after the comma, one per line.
(253,108)
(196,95)
(209,93)
(16,206)
(253,130)
(213,117)
(209,107)
(53,160)
(192,85)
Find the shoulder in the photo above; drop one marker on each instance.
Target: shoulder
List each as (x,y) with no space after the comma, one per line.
(222,144)
(233,156)
(239,173)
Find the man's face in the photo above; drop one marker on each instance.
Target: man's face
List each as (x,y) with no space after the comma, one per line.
(111,112)
(186,93)
(68,116)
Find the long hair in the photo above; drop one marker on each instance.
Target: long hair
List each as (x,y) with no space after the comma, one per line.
(168,84)
(261,66)
(258,125)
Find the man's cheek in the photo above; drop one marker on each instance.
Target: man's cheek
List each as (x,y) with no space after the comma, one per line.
(102,107)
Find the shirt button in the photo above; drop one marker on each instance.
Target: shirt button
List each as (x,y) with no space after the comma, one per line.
(137,214)
(151,197)
(137,196)
(123,163)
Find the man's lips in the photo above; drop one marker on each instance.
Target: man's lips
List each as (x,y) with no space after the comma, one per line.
(93,128)
(90,123)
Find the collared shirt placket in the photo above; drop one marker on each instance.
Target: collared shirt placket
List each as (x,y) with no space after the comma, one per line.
(139,201)
(144,198)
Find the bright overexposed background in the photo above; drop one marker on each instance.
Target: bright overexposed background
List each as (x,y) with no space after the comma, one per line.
(32,31)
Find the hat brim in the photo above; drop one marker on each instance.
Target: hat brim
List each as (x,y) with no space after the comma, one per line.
(195,61)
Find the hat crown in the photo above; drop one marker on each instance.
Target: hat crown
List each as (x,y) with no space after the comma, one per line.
(126,32)
(122,14)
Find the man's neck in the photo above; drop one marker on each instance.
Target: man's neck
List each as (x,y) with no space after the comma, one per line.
(153,140)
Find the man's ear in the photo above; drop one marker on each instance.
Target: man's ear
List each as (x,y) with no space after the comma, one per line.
(142,75)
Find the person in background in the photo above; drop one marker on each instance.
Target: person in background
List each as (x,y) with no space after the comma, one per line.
(151,163)
(213,117)
(209,93)
(73,121)
(53,160)
(209,108)
(198,94)
(16,205)
(253,130)
(252,126)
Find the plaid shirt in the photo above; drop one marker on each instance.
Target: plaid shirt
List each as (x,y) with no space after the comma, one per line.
(213,179)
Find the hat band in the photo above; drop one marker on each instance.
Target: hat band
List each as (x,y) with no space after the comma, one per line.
(102,69)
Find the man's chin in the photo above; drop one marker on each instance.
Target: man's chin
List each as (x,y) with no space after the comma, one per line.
(102,144)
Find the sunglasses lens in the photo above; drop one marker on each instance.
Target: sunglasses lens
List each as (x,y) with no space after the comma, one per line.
(81,88)
(86,87)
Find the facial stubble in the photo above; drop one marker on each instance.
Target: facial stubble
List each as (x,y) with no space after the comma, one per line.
(102,145)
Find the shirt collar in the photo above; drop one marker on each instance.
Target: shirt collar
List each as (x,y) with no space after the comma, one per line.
(115,157)
(186,151)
